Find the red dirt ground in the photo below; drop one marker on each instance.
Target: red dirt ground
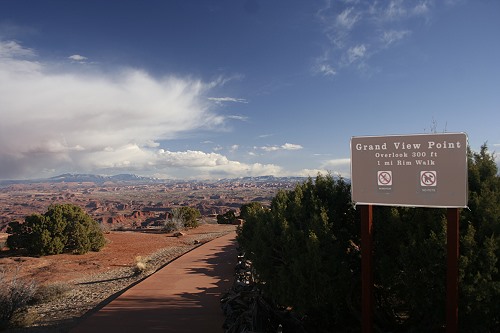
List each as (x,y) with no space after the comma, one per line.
(122,249)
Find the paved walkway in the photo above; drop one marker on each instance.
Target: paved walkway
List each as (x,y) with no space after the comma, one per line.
(184,296)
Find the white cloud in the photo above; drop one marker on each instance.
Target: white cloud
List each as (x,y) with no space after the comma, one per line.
(323,171)
(12,48)
(323,67)
(348,18)
(78,58)
(341,166)
(190,163)
(209,165)
(421,8)
(222,100)
(401,9)
(395,10)
(291,146)
(270,148)
(237,117)
(311,172)
(391,36)
(189,159)
(327,70)
(72,120)
(151,144)
(339,162)
(286,146)
(355,53)
(357,30)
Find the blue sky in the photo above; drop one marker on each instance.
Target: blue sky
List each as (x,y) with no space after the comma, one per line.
(217,89)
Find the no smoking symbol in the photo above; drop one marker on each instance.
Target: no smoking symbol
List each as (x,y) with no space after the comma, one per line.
(384,178)
(428,178)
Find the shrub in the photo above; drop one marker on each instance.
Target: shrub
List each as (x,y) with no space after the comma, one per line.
(183,217)
(171,225)
(174,222)
(189,216)
(63,228)
(228,217)
(50,292)
(140,266)
(14,296)
(305,250)
(249,209)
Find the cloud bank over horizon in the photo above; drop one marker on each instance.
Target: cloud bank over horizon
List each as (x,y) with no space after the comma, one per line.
(73,121)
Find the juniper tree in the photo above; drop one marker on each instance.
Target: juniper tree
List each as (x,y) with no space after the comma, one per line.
(63,228)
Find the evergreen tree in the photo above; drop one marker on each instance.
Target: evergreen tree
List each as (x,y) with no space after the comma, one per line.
(246,210)
(228,217)
(479,307)
(305,249)
(189,216)
(63,228)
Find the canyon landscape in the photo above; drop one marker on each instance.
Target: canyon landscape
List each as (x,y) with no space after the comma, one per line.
(132,211)
(132,202)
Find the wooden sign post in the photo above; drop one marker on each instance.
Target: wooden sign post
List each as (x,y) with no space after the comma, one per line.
(367,268)
(452,236)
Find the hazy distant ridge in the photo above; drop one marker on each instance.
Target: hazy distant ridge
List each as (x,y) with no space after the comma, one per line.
(80,178)
(131,178)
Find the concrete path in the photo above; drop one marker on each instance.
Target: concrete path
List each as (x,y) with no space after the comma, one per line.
(184,296)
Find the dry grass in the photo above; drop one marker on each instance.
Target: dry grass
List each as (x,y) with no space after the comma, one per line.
(15,295)
(140,266)
(51,292)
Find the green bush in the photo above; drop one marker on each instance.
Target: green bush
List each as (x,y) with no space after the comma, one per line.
(228,217)
(182,218)
(189,216)
(249,209)
(305,249)
(63,228)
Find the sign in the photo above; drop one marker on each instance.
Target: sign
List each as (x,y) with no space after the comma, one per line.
(423,170)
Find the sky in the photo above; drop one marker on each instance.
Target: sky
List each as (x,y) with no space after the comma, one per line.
(209,89)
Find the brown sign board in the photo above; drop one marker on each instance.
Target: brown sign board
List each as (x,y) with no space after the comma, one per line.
(422,170)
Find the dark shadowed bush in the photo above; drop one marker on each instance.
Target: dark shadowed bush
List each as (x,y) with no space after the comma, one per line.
(306,252)
(63,228)
(228,217)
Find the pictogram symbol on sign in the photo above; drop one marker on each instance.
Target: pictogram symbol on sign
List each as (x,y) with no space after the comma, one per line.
(428,178)
(384,178)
